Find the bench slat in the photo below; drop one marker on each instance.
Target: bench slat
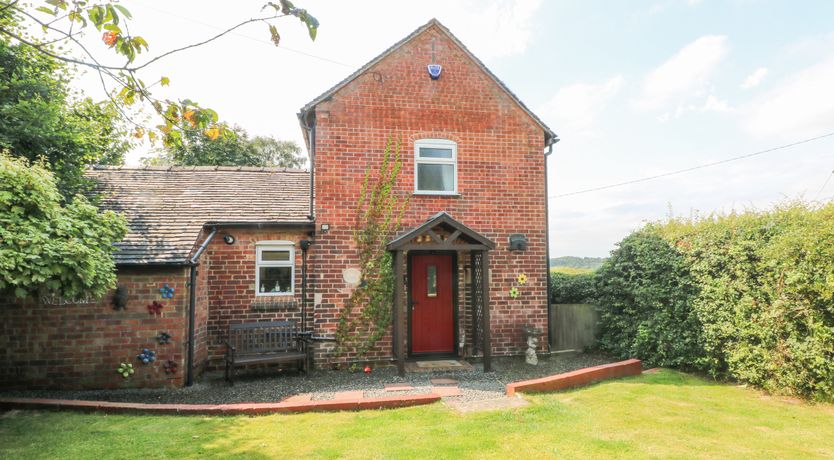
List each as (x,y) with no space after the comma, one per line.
(269,358)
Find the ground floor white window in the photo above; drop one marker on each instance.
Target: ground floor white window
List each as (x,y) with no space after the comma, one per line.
(274,268)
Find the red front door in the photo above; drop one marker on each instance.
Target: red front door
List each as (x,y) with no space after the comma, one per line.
(432,310)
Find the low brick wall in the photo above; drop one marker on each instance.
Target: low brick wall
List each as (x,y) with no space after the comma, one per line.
(79,346)
(578,377)
(220,409)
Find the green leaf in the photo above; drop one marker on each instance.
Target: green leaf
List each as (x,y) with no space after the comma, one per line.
(113,28)
(124,11)
(46,10)
(286,6)
(139,41)
(312,24)
(95,15)
(164,81)
(276,38)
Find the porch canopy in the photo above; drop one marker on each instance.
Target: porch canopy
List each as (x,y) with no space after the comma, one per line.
(441,232)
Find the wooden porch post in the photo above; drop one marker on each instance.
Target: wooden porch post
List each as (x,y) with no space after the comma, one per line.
(485,293)
(399,333)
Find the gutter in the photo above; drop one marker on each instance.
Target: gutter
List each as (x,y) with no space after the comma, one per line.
(177,263)
(192,307)
(294,224)
(553,140)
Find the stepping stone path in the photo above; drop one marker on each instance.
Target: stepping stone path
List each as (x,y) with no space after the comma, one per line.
(299,398)
(355,394)
(444,388)
(488,404)
(446,391)
(398,387)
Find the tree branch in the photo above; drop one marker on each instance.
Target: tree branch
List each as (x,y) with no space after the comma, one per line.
(40,46)
(8,5)
(194,45)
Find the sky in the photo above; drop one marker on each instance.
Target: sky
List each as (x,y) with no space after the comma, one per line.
(633,89)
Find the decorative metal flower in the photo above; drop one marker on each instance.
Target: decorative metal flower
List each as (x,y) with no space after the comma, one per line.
(125,369)
(147,356)
(163,338)
(514,292)
(167,292)
(155,307)
(170,367)
(522,279)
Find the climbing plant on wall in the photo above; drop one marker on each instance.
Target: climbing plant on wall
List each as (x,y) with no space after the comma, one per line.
(366,316)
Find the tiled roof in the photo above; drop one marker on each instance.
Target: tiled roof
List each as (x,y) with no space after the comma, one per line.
(167,207)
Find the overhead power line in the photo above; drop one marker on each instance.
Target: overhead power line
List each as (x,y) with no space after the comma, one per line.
(693,168)
(249,37)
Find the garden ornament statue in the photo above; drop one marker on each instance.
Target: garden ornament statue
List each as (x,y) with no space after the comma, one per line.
(530,354)
(532,334)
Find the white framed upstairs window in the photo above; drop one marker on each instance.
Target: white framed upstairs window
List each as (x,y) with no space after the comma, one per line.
(435,167)
(274,268)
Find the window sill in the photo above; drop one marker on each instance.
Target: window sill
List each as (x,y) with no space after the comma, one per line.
(274,304)
(437,195)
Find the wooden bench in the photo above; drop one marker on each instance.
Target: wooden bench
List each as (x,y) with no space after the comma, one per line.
(264,342)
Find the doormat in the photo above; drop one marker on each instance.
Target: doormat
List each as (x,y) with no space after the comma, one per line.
(438,365)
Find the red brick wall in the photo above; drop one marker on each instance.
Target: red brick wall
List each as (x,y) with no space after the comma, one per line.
(80,346)
(500,174)
(230,276)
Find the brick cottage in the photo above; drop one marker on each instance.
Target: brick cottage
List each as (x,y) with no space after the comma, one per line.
(241,245)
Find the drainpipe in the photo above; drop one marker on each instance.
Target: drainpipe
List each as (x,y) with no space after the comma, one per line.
(192,307)
(550,143)
(305,245)
(311,147)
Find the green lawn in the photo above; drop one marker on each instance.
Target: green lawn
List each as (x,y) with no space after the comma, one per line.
(667,414)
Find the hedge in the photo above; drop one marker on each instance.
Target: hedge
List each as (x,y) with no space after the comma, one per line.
(746,296)
(566,288)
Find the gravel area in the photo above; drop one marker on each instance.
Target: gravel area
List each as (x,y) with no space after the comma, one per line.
(474,384)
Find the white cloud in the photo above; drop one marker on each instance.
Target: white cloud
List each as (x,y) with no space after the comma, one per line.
(498,29)
(662,6)
(683,75)
(710,104)
(713,104)
(575,108)
(754,78)
(800,106)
